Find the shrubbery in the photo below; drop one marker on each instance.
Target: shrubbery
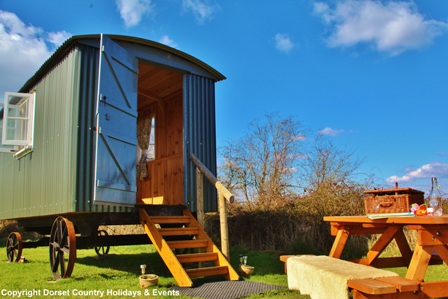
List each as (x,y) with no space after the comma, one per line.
(292,225)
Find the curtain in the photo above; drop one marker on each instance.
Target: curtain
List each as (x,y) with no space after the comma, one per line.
(143,132)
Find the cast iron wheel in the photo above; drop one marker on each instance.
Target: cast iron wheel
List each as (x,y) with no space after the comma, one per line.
(14,247)
(62,248)
(102,250)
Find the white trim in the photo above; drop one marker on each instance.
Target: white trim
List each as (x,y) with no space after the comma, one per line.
(18,138)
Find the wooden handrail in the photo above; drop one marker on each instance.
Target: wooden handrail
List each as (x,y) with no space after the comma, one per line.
(218,185)
(223,195)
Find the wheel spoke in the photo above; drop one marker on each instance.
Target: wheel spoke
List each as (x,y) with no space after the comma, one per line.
(63,237)
(55,245)
(55,263)
(65,250)
(61,263)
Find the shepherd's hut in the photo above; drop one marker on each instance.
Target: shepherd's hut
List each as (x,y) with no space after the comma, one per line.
(113,130)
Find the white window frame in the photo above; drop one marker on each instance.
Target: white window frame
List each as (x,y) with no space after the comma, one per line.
(5,148)
(18,122)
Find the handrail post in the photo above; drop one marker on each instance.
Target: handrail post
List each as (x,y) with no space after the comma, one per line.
(200,197)
(225,248)
(200,215)
(223,195)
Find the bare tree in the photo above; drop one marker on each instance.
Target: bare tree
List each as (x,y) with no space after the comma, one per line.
(327,165)
(261,166)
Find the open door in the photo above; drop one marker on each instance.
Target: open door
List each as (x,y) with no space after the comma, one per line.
(116,130)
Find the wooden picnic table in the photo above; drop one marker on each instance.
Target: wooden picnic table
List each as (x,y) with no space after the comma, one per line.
(430,248)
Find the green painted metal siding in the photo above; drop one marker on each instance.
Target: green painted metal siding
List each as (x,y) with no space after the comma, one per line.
(43,182)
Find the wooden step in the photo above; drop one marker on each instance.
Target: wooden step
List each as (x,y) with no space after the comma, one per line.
(187,244)
(208,271)
(179,231)
(170,219)
(197,257)
(167,234)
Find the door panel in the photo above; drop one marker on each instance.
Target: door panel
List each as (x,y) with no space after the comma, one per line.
(116,141)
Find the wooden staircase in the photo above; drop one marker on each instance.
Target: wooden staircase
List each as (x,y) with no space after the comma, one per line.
(170,234)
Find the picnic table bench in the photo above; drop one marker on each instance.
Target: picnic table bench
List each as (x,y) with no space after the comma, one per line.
(385,288)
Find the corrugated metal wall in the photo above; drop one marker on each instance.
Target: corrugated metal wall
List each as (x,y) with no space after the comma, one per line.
(199,137)
(7,167)
(88,86)
(43,182)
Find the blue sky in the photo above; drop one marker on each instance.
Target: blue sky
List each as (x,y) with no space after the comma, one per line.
(371,75)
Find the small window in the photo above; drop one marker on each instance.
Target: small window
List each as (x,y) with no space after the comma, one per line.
(152,140)
(18,122)
(147,139)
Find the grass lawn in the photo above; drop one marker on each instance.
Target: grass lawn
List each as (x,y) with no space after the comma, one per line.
(117,274)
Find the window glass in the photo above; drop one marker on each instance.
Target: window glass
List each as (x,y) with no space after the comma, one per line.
(151,154)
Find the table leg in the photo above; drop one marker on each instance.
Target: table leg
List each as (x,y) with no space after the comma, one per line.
(381,243)
(403,246)
(419,263)
(442,251)
(339,242)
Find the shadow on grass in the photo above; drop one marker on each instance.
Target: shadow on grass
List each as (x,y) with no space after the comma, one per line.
(265,263)
(128,262)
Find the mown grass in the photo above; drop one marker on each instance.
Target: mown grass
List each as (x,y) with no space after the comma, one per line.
(118,273)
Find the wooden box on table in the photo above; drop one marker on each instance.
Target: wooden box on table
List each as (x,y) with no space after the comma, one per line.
(398,200)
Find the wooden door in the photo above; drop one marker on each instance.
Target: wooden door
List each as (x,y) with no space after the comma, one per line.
(116,130)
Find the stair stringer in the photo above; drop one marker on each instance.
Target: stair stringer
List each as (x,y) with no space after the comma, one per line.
(168,256)
(211,247)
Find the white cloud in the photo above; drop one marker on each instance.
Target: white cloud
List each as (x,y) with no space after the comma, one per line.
(330,132)
(202,10)
(23,49)
(390,27)
(435,169)
(283,42)
(166,40)
(58,38)
(133,11)
(299,137)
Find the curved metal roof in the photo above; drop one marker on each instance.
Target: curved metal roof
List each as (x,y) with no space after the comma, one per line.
(71,42)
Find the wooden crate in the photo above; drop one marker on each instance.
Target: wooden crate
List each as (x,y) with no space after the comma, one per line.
(396,200)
